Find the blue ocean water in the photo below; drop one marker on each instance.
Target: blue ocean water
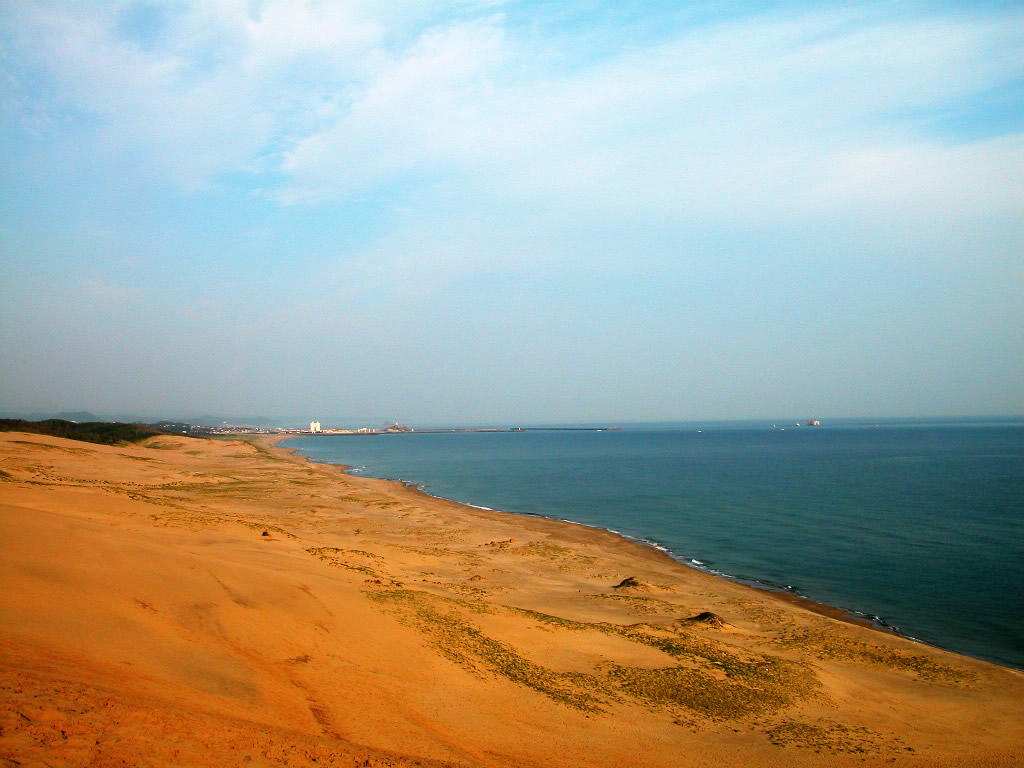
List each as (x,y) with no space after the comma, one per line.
(920,525)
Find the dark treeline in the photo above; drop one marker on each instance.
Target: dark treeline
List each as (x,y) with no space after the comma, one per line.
(105,433)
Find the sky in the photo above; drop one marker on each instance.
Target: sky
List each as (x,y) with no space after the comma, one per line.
(477,212)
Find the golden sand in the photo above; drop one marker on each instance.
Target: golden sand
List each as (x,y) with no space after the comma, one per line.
(204,603)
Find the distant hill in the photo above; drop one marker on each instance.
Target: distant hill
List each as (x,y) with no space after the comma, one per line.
(81,417)
(105,433)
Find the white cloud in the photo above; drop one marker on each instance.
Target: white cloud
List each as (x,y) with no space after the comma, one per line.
(420,113)
(930,178)
(749,120)
(217,89)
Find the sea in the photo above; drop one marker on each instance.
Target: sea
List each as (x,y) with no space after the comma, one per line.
(915,525)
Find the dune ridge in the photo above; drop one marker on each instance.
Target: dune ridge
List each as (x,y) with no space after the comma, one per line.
(209,602)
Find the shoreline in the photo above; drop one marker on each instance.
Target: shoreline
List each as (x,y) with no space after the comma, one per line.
(232,603)
(777,592)
(794,598)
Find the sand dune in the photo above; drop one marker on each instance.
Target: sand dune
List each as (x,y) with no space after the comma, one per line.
(201,602)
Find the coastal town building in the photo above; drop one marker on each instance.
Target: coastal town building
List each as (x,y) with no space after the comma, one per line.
(314,427)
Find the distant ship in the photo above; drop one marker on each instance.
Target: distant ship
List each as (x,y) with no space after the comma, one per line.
(813,423)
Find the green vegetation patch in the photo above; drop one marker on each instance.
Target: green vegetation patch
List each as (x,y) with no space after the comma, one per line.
(104,433)
(333,556)
(230,487)
(563,558)
(467,646)
(382,503)
(551,551)
(829,736)
(714,680)
(253,441)
(710,680)
(694,689)
(343,499)
(640,604)
(705,619)
(558,621)
(830,645)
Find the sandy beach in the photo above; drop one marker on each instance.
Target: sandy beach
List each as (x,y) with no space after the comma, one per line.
(187,602)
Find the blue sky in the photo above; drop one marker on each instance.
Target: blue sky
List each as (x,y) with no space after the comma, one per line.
(481,212)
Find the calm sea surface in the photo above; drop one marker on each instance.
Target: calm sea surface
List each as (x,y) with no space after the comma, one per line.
(918,525)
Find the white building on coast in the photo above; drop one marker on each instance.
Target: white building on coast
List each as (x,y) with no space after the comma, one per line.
(314,427)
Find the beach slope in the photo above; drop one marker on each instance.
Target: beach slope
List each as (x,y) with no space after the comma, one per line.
(212,602)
